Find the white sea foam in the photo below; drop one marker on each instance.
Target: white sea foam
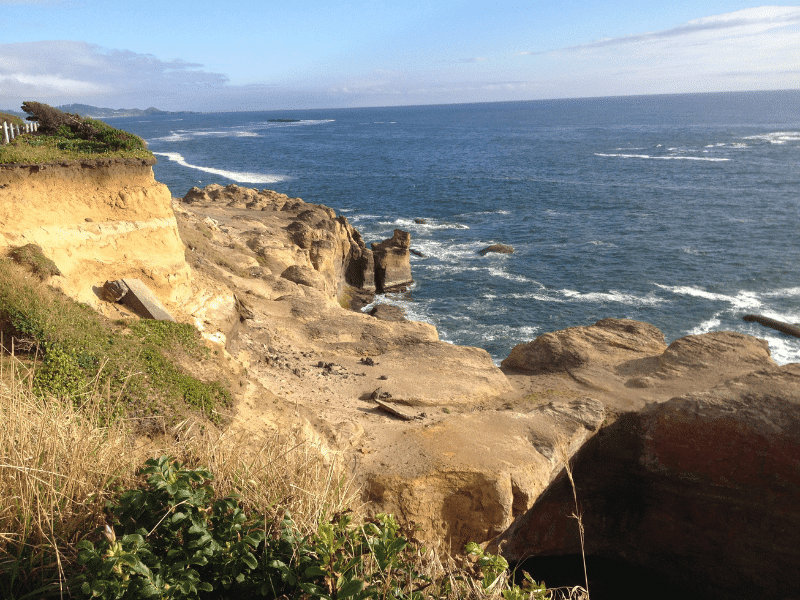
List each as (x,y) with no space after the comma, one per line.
(742,300)
(174,136)
(706,326)
(776,137)
(430,224)
(492,333)
(448,252)
(784,350)
(233,175)
(612,296)
(792,292)
(672,157)
(503,274)
(415,311)
(601,243)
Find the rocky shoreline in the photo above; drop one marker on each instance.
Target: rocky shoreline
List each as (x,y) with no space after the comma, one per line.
(686,457)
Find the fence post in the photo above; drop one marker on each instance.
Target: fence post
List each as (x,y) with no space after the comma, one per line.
(5,133)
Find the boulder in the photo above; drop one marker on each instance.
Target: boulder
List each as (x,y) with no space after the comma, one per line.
(388,312)
(703,489)
(465,478)
(137,296)
(392,262)
(498,248)
(609,341)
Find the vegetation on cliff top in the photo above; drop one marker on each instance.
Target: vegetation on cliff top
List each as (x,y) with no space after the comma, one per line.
(66,137)
(9,118)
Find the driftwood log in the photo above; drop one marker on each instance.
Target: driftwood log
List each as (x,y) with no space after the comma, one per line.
(786,328)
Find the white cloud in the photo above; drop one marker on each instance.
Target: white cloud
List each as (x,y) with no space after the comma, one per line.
(754,48)
(61,72)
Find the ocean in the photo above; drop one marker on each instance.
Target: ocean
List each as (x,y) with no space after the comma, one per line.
(678,210)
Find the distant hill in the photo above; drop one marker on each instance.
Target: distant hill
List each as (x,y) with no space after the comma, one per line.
(85,110)
(94,111)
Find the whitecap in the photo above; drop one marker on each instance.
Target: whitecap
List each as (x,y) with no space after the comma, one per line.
(741,300)
(233,175)
(502,274)
(776,137)
(784,350)
(175,136)
(706,326)
(647,156)
(791,292)
(410,224)
(415,311)
(612,296)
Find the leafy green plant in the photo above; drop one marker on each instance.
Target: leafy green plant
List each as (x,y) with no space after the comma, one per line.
(65,136)
(177,543)
(493,572)
(175,540)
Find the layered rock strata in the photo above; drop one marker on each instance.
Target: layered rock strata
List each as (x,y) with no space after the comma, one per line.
(97,220)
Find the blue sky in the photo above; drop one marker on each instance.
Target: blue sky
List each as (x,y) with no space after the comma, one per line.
(249,55)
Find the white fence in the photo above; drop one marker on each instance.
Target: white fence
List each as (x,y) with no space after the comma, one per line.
(10,131)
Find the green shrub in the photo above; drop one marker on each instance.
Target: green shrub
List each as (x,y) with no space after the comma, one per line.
(175,542)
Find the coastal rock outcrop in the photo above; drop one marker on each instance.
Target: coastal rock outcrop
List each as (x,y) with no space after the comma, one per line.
(320,240)
(607,342)
(392,262)
(627,363)
(703,489)
(97,220)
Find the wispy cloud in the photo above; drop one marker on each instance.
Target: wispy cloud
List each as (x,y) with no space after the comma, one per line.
(754,48)
(742,24)
(64,71)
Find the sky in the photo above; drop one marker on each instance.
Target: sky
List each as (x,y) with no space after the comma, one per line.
(274,54)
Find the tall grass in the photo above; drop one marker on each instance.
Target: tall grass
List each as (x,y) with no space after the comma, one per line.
(60,462)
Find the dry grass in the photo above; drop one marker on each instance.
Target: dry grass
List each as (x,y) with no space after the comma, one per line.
(59,466)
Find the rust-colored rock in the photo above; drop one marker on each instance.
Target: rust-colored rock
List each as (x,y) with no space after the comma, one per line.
(703,488)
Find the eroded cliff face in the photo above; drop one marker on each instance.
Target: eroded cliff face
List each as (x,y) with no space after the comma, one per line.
(98,220)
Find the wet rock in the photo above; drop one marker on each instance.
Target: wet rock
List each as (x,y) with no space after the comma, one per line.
(388,312)
(498,248)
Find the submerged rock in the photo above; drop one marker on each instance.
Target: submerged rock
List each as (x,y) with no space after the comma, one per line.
(499,248)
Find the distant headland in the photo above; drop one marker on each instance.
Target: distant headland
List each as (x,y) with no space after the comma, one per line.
(86,110)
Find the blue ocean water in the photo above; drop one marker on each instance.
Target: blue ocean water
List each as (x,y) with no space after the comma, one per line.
(677,210)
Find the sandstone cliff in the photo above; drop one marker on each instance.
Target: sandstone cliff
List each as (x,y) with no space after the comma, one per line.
(97,220)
